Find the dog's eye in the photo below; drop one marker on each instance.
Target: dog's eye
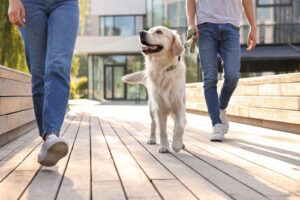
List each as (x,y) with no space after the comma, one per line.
(158,32)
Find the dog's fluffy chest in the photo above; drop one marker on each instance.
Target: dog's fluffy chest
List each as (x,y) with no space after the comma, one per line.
(166,88)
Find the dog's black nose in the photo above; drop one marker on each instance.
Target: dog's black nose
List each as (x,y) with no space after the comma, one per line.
(142,34)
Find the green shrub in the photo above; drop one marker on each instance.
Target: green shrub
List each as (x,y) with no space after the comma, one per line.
(72,89)
(82,87)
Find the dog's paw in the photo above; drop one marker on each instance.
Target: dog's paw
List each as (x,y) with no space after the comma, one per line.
(151,141)
(177,145)
(164,150)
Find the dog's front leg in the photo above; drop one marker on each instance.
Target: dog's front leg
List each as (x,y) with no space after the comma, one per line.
(152,138)
(162,121)
(179,121)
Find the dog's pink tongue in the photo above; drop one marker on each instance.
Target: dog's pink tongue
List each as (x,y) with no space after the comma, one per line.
(153,47)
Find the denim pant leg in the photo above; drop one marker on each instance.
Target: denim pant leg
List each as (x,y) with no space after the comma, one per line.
(34,36)
(231,54)
(62,31)
(208,50)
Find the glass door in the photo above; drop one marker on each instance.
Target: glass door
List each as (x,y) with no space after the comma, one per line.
(108,82)
(119,86)
(114,86)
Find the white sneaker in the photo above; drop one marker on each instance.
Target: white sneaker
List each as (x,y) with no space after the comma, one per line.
(224,120)
(53,150)
(218,133)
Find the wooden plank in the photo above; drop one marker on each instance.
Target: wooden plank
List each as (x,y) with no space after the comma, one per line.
(76,181)
(289,103)
(173,189)
(21,152)
(12,121)
(284,168)
(102,164)
(278,141)
(21,166)
(283,78)
(14,104)
(261,179)
(22,149)
(20,177)
(48,178)
(135,182)
(17,143)
(272,125)
(230,185)
(105,181)
(170,189)
(150,165)
(107,190)
(12,74)
(192,180)
(277,115)
(279,89)
(14,88)
(273,79)
(238,168)
(282,89)
(287,116)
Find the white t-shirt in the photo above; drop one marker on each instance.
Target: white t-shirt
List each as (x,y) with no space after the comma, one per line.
(218,11)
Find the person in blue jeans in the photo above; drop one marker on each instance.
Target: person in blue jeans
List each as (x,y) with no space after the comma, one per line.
(48,31)
(217,32)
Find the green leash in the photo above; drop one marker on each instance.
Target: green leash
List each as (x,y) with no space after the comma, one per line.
(191,40)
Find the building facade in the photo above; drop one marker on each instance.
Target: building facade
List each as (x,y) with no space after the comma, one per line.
(111,41)
(112,44)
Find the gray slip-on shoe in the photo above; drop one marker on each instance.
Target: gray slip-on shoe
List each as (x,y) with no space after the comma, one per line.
(217,134)
(53,150)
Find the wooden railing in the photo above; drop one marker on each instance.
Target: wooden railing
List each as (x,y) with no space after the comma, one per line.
(16,108)
(270,101)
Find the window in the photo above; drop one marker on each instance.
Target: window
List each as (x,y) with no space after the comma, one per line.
(176,14)
(169,13)
(121,25)
(124,25)
(107,26)
(105,72)
(267,3)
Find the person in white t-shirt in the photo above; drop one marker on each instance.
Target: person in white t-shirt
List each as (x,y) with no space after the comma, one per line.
(217,30)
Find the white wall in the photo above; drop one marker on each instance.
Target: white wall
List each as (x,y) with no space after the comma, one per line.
(108,44)
(118,7)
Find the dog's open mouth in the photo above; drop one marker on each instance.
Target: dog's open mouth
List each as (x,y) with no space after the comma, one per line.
(150,48)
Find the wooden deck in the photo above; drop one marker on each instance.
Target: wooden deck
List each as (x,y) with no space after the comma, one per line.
(109,159)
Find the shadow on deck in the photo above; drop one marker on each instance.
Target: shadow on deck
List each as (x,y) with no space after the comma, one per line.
(109,159)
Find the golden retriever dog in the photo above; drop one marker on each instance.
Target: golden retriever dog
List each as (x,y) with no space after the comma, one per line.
(164,78)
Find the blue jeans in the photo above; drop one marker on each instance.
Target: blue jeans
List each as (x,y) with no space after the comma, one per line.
(49,37)
(222,39)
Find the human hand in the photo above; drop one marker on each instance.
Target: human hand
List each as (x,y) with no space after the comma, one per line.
(251,39)
(191,39)
(14,10)
(195,28)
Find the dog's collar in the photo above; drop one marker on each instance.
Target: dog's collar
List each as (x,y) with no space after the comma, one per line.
(173,66)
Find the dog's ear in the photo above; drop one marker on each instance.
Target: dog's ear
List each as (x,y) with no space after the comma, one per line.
(177,47)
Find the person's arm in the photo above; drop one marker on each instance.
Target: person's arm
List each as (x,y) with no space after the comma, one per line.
(190,8)
(14,10)
(249,12)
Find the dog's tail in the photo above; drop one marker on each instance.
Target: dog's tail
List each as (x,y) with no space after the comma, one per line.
(136,77)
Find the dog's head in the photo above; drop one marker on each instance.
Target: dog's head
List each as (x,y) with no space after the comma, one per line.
(162,41)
